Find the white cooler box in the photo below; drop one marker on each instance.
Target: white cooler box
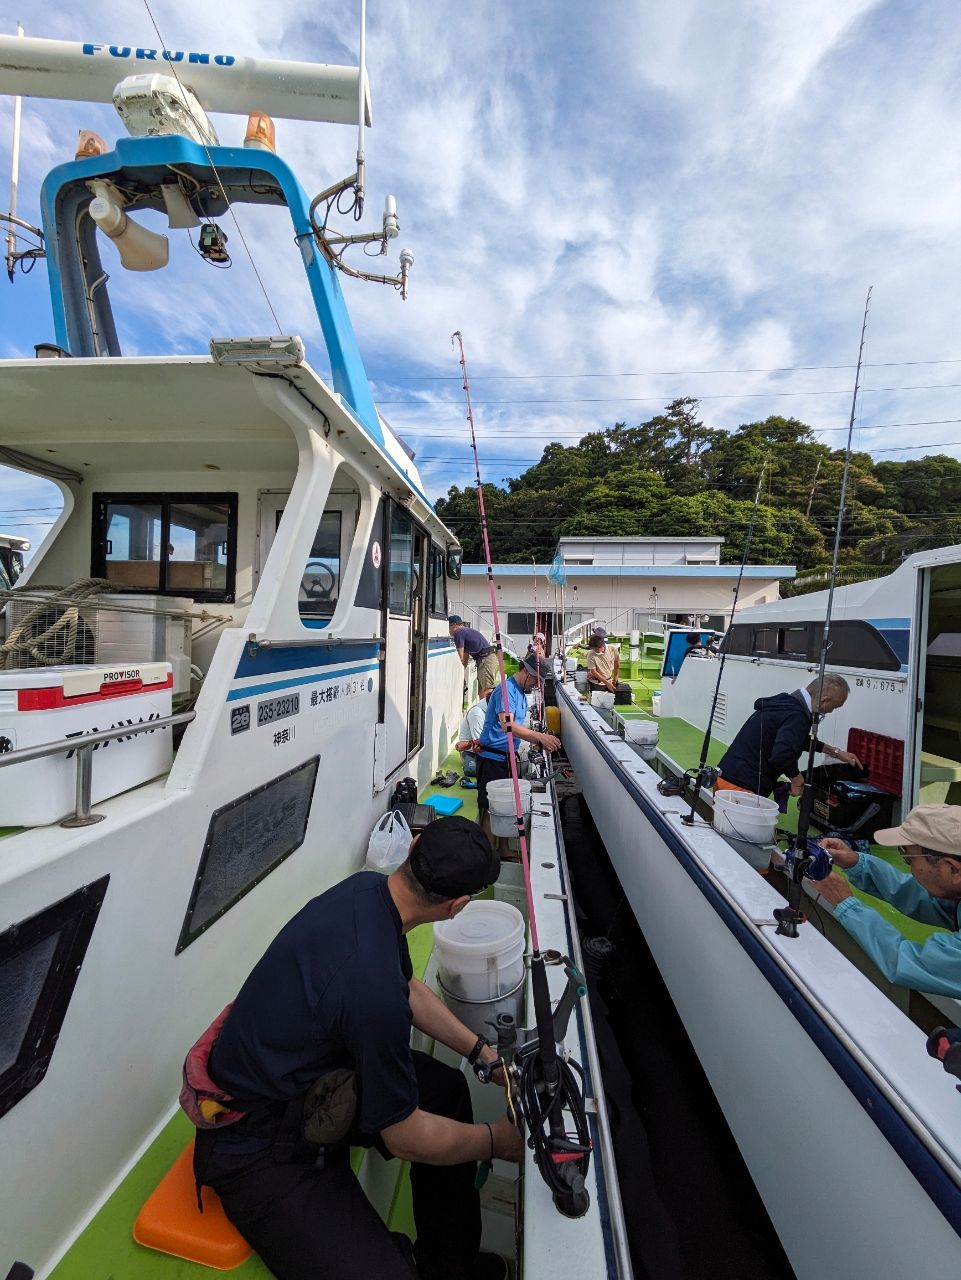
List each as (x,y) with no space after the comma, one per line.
(45,704)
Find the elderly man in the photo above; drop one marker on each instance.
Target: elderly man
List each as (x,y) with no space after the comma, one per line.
(930,842)
(470,643)
(603,661)
(770,742)
(335,991)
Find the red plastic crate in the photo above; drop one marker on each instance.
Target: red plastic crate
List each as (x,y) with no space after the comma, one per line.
(883,758)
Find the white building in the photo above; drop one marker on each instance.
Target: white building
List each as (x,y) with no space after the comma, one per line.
(625,583)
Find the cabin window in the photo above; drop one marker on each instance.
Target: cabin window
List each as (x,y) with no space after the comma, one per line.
(401,563)
(320,585)
(252,835)
(40,960)
(793,642)
(438,583)
(519,624)
(167,544)
(852,643)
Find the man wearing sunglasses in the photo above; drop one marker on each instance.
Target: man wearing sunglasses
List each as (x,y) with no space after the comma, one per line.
(930,842)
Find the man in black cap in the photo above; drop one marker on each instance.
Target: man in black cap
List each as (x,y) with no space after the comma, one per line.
(470,643)
(491,747)
(335,989)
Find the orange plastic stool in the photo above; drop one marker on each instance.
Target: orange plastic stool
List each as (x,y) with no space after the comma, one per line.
(170,1221)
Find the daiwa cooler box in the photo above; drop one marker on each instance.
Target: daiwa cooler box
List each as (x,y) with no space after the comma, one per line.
(46,704)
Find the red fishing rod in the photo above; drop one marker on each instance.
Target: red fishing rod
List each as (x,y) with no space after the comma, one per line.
(546,1085)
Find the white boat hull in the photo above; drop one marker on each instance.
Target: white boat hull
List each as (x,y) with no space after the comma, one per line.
(816,1133)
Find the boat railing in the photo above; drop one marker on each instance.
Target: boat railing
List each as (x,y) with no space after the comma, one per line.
(83,749)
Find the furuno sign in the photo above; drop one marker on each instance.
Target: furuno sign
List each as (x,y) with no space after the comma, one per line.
(159,55)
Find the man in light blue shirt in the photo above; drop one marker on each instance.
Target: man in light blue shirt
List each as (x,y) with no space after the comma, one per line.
(930,843)
(492,759)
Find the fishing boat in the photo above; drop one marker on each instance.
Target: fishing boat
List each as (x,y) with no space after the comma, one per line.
(819,1065)
(229,646)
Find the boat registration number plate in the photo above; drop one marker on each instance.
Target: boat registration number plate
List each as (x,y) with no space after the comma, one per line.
(272,709)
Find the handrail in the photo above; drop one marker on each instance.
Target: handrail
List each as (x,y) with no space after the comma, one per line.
(84,746)
(310,642)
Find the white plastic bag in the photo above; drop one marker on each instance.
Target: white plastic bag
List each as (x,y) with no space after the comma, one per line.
(388,844)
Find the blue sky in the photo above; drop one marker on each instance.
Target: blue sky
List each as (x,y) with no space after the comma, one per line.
(613,202)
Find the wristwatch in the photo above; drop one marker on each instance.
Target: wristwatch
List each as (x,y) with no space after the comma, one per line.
(480,1044)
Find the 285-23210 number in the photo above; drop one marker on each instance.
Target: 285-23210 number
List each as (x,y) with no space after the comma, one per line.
(272,709)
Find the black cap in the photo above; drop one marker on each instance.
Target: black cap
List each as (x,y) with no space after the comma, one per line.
(537,666)
(452,856)
(454,617)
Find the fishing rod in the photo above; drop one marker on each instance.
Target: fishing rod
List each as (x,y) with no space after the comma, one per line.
(706,777)
(540,683)
(808,861)
(540,1084)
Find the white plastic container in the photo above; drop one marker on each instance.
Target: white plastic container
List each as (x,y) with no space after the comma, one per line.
(643,733)
(480,962)
(570,664)
(601,699)
(656,702)
(745,816)
(45,704)
(580,680)
(635,638)
(500,797)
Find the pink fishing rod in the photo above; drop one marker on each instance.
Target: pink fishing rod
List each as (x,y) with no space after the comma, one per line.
(547,1087)
(511,753)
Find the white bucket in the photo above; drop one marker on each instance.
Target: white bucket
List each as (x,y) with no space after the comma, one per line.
(602,699)
(570,664)
(510,886)
(500,797)
(656,702)
(643,732)
(580,679)
(480,962)
(745,816)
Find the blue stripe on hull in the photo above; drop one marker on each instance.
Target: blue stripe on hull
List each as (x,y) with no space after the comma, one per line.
(314,677)
(266,662)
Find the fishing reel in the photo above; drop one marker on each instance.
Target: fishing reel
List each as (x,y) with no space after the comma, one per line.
(813,862)
(543,1089)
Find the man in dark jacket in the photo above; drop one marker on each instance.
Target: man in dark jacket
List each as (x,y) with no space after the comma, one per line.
(771,741)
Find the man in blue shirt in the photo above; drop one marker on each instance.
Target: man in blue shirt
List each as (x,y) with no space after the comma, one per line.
(492,760)
(472,644)
(335,991)
(930,843)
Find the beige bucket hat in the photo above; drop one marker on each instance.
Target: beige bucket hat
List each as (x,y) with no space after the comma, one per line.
(933,826)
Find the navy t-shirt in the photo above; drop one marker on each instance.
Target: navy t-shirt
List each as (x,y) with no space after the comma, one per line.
(331,990)
(471,641)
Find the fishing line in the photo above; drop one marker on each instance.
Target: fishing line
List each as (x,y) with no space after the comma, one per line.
(790,916)
(547,1084)
(704,776)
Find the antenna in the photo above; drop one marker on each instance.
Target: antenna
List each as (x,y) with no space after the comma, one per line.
(361,99)
(12,257)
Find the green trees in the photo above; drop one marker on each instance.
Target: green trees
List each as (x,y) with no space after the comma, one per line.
(674,476)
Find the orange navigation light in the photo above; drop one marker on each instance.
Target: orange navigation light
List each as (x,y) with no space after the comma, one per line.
(89,144)
(261,133)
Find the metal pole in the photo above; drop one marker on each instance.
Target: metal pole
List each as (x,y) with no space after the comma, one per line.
(14,178)
(83,817)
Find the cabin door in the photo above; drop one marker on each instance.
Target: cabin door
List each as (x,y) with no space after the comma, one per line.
(406,639)
(936,758)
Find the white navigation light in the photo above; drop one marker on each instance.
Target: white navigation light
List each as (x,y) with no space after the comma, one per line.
(406,262)
(391,225)
(139,249)
(287,350)
(155,105)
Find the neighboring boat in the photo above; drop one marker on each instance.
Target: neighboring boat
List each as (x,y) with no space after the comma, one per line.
(822,1075)
(244,604)
(897,641)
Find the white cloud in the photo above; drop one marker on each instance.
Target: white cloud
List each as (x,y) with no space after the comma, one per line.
(639,187)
